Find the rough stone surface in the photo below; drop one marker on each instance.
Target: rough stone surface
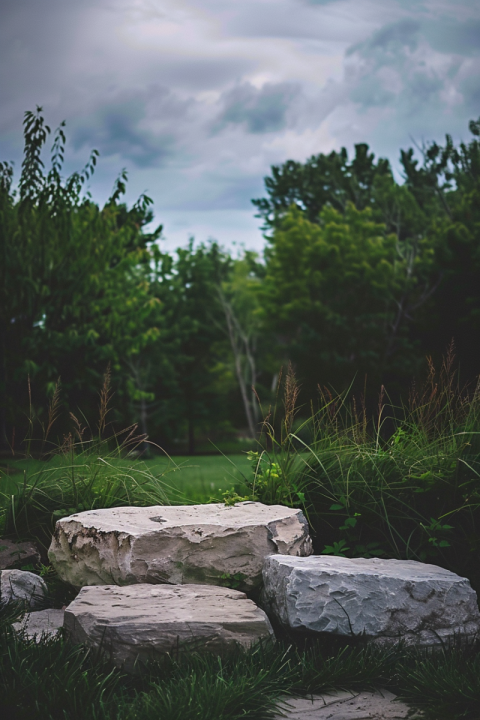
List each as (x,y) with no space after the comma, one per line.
(382,599)
(202,544)
(13,555)
(343,705)
(143,621)
(40,624)
(19,585)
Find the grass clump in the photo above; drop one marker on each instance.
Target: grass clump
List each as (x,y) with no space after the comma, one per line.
(54,680)
(88,470)
(402,484)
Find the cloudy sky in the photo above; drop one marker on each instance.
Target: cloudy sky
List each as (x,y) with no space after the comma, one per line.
(198,98)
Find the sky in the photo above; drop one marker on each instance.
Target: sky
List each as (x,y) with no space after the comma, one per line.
(197,99)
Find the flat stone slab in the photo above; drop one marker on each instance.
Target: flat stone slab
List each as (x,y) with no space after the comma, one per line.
(15,554)
(385,600)
(144,621)
(202,544)
(22,586)
(343,705)
(40,624)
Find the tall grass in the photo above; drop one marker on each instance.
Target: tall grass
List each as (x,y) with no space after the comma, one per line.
(89,469)
(401,483)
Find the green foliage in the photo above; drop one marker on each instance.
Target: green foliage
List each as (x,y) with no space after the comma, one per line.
(186,286)
(444,684)
(74,279)
(372,291)
(332,291)
(322,180)
(403,484)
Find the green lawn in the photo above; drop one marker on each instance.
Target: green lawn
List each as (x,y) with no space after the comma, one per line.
(201,477)
(190,479)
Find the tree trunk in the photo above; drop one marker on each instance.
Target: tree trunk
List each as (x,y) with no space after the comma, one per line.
(191,436)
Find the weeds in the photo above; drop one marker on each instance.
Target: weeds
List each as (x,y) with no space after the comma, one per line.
(87,470)
(403,484)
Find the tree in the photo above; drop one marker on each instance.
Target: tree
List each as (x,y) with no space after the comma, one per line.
(75,280)
(448,183)
(322,180)
(332,292)
(239,299)
(186,286)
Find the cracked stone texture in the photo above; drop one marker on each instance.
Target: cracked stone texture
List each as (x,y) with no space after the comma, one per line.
(344,705)
(177,545)
(383,599)
(22,586)
(143,621)
(43,623)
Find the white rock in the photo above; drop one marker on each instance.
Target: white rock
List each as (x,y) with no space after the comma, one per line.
(143,621)
(203,544)
(20,585)
(40,624)
(382,599)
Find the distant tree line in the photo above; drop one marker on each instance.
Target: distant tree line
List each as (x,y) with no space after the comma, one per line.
(361,278)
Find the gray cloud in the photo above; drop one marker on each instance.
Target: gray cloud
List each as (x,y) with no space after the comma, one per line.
(142,126)
(390,42)
(395,68)
(260,110)
(199,99)
(470,88)
(451,36)
(368,92)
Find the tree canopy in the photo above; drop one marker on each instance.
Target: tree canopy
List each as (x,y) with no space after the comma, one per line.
(362,275)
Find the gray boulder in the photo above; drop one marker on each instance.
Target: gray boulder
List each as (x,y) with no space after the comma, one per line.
(141,622)
(22,586)
(383,599)
(40,624)
(202,544)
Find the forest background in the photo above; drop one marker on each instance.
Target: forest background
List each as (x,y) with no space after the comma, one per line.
(363,277)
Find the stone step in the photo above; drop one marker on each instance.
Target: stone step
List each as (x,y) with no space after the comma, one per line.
(145,621)
(203,544)
(385,600)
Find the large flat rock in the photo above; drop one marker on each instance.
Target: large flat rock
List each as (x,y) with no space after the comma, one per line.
(383,599)
(144,621)
(202,544)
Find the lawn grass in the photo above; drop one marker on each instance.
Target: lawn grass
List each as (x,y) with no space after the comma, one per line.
(190,479)
(200,478)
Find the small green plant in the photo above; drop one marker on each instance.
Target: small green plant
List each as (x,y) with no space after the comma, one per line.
(231,497)
(338,548)
(234,580)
